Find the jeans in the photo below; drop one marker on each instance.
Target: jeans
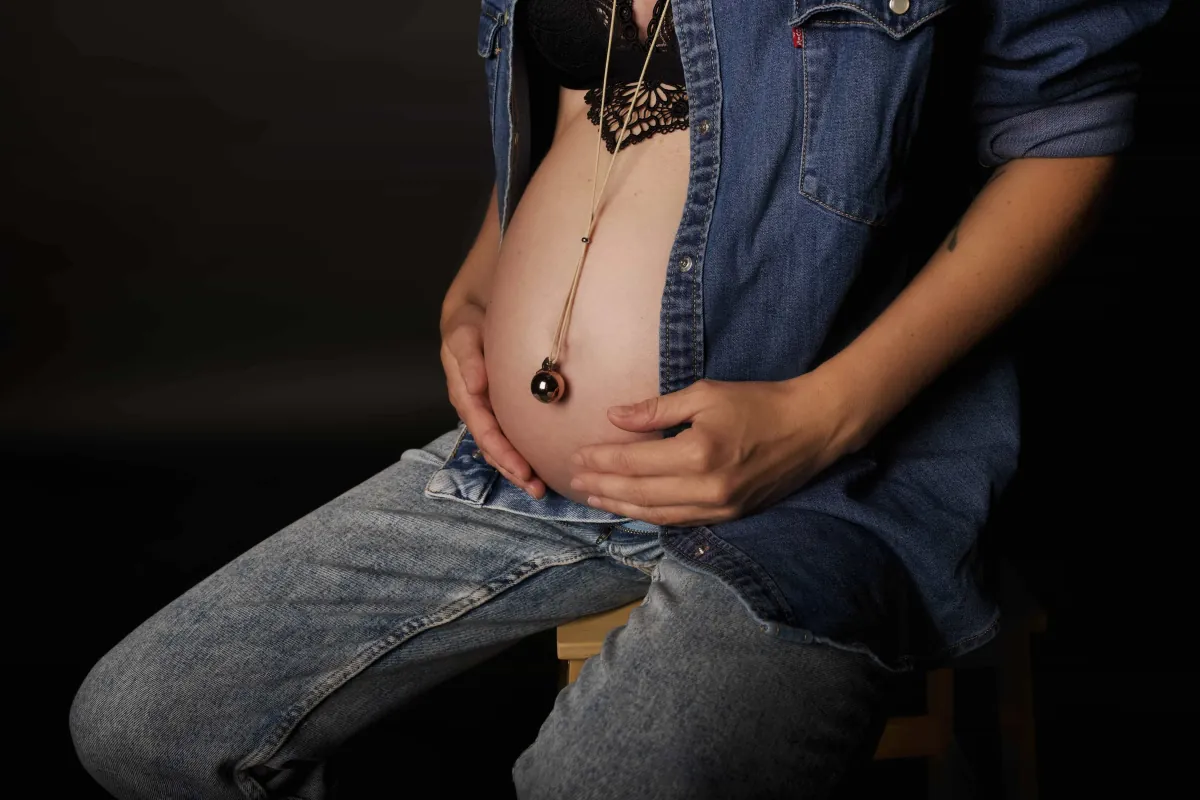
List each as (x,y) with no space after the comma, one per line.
(243,686)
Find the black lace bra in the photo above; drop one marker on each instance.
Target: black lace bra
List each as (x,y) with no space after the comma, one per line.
(570,37)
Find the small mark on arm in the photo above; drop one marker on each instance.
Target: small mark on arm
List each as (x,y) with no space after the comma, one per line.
(952,239)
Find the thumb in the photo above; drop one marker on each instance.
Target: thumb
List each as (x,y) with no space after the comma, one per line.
(656,413)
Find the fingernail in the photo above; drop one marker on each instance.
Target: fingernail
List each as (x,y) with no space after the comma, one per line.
(593,501)
(576,483)
(577,458)
(621,411)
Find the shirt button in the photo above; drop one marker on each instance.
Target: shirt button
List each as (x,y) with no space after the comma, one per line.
(685,263)
(703,126)
(898,6)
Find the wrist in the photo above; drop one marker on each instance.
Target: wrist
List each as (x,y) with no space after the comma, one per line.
(851,421)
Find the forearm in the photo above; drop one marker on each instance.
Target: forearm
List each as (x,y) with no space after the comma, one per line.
(473,283)
(1014,235)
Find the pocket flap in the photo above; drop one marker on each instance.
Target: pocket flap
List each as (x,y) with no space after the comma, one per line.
(897,17)
(490,20)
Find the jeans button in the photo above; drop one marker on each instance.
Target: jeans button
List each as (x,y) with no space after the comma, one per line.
(685,263)
(898,6)
(703,127)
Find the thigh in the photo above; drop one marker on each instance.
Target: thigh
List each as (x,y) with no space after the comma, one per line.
(693,700)
(240,685)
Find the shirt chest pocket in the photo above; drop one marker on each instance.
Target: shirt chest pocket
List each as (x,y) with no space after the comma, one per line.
(492,20)
(864,64)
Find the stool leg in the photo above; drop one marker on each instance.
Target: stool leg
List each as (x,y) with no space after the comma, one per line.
(939,702)
(1014,684)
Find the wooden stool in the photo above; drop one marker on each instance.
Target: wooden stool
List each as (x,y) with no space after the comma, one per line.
(929,735)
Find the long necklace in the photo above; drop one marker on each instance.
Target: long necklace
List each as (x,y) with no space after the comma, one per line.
(548,384)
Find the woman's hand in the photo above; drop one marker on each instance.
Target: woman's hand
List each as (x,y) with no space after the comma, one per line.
(750,444)
(466,382)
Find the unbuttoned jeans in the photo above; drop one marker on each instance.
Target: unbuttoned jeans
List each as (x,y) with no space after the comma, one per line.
(244,685)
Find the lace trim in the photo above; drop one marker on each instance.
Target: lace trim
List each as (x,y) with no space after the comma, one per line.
(628,29)
(660,108)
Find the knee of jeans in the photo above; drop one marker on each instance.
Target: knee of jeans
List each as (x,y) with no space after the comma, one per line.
(102,741)
(123,736)
(534,779)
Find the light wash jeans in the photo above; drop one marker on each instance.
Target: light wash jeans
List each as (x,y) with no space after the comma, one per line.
(244,685)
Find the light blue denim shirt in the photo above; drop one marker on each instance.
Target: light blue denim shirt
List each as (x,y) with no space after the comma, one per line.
(803,114)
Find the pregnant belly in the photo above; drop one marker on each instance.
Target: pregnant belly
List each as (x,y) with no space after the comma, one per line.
(610,354)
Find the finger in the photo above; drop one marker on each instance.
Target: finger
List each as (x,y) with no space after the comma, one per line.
(475,412)
(488,436)
(533,486)
(663,411)
(651,492)
(654,457)
(465,344)
(662,515)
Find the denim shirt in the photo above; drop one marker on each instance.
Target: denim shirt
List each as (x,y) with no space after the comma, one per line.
(803,115)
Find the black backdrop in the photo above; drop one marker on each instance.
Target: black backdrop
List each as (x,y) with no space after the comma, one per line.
(225,231)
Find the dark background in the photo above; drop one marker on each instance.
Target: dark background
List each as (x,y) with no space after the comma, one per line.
(225,232)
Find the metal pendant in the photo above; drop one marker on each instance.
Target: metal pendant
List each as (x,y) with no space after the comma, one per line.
(548,385)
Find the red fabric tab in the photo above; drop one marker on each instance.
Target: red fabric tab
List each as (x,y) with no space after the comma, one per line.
(797,37)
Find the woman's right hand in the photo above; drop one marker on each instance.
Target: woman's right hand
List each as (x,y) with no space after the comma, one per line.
(466,382)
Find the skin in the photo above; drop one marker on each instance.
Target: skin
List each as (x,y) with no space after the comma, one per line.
(500,314)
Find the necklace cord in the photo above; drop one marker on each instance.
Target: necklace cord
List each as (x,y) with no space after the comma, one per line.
(565,317)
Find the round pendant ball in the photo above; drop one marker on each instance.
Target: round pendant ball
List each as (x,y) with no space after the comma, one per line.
(547,385)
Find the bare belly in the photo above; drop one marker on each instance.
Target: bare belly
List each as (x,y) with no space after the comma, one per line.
(610,355)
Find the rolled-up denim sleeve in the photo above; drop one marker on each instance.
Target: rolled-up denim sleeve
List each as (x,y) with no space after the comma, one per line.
(1057,78)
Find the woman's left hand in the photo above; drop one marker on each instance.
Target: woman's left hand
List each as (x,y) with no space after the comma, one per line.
(750,444)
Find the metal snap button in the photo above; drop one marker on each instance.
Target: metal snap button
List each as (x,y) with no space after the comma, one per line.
(701,550)
(685,263)
(898,6)
(703,127)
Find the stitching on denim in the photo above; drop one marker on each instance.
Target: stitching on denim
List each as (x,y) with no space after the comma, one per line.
(912,26)
(767,583)
(824,22)
(496,21)
(839,212)
(697,278)
(636,532)
(804,125)
(376,650)
(903,663)
(964,645)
